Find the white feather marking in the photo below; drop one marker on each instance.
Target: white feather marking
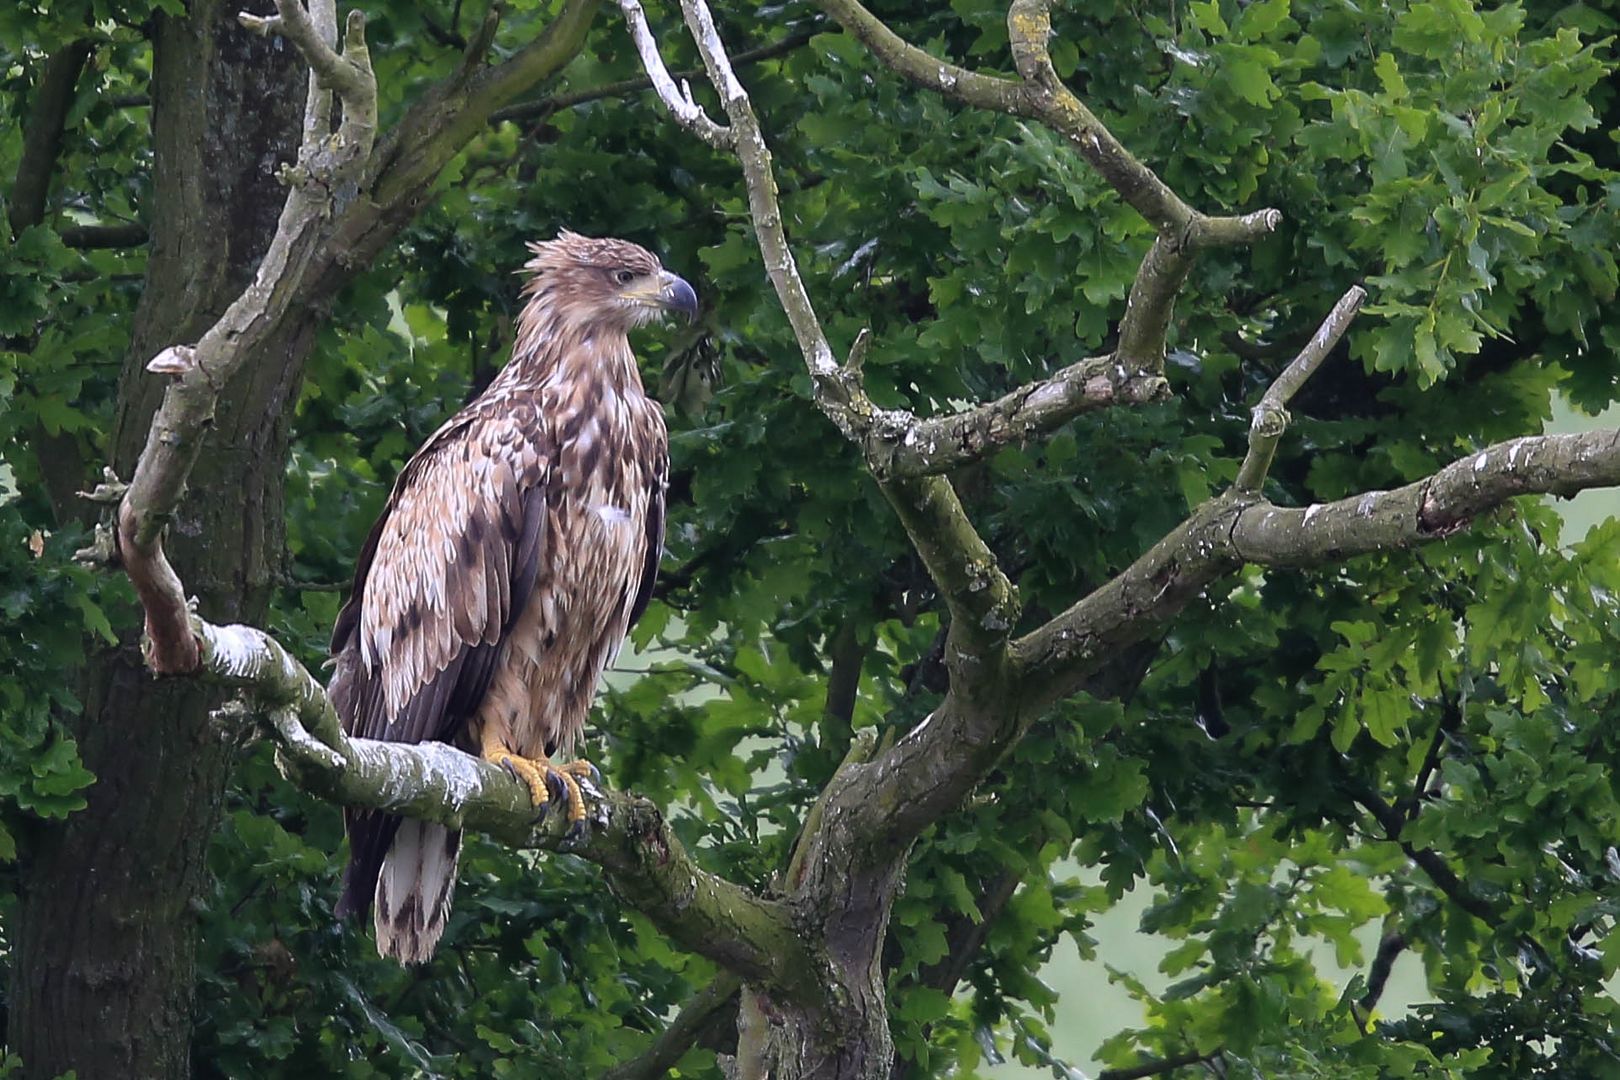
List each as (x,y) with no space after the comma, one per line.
(414,890)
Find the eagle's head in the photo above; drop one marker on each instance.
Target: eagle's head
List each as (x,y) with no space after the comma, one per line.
(592,281)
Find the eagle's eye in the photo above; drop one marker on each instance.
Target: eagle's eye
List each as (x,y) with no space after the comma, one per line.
(624,277)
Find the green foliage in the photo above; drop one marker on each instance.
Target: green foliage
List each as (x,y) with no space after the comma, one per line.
(1457,160)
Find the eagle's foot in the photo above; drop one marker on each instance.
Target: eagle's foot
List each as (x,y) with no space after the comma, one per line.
(546,781)
(580,769)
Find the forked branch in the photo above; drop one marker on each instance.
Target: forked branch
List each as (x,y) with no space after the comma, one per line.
(982,600)
(1039,94)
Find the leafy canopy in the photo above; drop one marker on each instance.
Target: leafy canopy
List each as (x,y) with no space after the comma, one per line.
(1457,159)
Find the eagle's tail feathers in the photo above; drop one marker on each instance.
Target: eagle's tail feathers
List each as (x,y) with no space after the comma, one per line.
(414,890)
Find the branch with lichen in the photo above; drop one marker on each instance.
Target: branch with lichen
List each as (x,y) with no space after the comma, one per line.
(1240,528)
(981,598)
(624,834)
(347,198)
(939,444)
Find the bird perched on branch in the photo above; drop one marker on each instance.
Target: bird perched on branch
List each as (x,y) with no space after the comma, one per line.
(518,546)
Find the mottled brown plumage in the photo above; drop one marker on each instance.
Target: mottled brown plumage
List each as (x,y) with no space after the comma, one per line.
(519,545)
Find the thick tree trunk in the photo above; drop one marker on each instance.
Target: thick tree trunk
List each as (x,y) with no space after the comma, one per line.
(843,896)
(103,969)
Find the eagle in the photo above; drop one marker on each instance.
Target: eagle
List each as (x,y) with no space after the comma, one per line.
(517,548)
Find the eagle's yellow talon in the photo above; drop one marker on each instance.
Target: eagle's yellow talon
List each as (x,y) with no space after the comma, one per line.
(532,773)
(538,773)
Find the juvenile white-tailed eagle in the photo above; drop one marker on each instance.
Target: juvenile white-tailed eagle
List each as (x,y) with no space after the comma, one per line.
(519,545)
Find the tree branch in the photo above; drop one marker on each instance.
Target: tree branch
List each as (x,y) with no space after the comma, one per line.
(200,372)
(982,601)
(1271,414)
(625,835)
(1040,95)
(92,237)
(441,123)
(60,457)
(1160,1068)
(1430,862)
(349,75)
(942,443)
(1390,947)
(923,68)
(1230,530)
(1431,508)
(678,100)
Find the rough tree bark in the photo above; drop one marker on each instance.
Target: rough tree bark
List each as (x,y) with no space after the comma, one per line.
(103,971)
(806,956)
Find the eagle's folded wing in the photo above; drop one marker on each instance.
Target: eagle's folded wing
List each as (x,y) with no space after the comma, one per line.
(445,573)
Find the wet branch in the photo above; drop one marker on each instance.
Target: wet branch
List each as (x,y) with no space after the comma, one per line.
(625,834)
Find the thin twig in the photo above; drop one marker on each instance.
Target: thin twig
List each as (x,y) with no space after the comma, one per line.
(678,100)
(557,102)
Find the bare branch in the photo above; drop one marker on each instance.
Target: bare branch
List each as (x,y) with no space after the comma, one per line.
(923,68)
(983,603)
(1164,271)
(1237,528)
(1039,94)
(838,394)
(1431,508)
(1053,661)
(304,29)
(1029,28)
(201,372)
(679,100)
(942,443)
(1271,414)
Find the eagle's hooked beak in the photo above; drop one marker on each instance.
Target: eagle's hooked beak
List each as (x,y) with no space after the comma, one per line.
(674,294)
